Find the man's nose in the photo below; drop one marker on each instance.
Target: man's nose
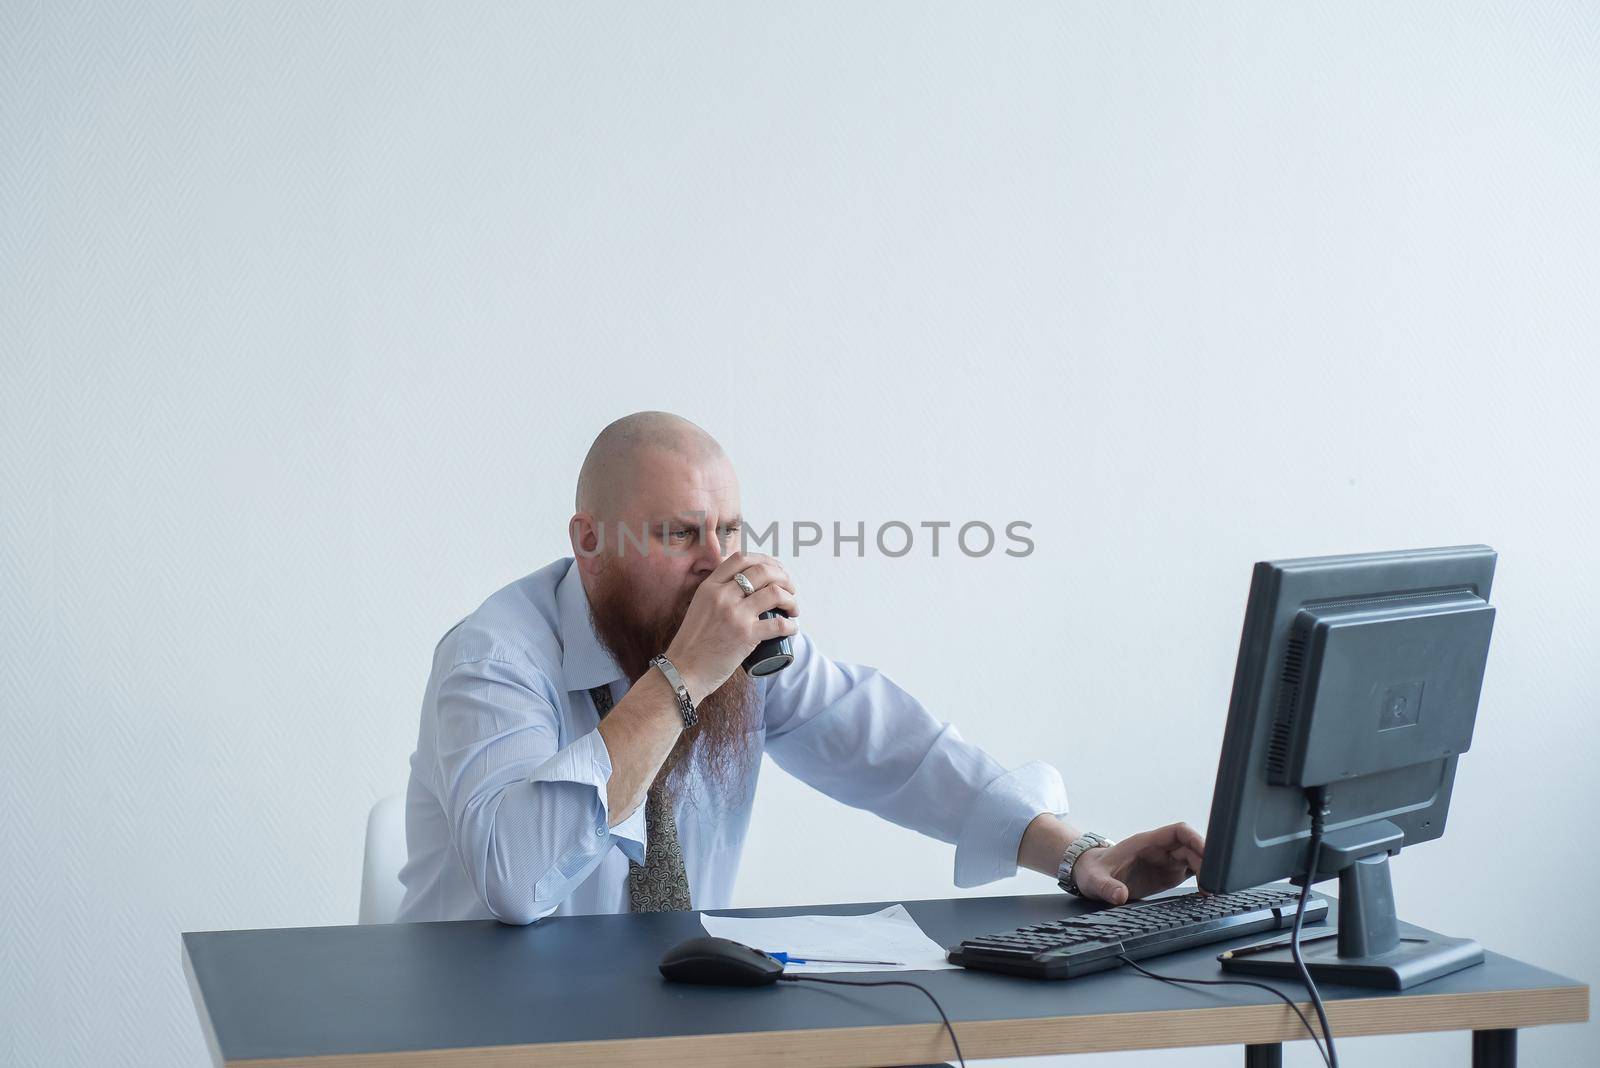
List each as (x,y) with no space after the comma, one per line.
(709,556)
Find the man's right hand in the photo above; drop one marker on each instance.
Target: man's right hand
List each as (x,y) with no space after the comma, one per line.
(723,623)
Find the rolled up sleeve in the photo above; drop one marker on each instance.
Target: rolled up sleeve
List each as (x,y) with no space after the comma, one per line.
(851,732)
(528,817)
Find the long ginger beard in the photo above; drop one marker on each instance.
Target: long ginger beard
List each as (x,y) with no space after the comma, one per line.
(718,742)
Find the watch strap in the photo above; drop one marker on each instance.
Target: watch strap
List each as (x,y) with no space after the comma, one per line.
(1080,845)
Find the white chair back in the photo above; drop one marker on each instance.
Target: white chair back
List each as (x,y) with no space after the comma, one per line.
(381,890)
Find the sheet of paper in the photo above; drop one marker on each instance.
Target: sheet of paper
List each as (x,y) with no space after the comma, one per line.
(887,935)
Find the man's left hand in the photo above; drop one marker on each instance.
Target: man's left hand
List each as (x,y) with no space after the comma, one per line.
(1140,865)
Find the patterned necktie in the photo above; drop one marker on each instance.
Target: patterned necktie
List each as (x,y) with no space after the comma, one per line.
(660,884)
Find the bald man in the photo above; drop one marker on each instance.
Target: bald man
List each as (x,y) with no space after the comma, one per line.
(590,742)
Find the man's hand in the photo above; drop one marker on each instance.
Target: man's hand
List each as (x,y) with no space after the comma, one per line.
(723,623)
(1140,865)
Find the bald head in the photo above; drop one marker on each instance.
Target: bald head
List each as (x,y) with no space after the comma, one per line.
(610,471)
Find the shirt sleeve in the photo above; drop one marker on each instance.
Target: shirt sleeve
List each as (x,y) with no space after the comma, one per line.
(528,818)
(852,733)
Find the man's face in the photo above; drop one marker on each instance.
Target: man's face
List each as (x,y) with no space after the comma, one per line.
(675,520)
(686,514)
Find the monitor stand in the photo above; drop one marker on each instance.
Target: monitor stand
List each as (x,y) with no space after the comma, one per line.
(1369,949)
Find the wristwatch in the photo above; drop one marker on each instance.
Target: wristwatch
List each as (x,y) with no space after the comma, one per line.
(675,680)
(1080,845)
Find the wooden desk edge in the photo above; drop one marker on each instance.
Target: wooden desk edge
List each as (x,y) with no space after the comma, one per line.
(920,1043)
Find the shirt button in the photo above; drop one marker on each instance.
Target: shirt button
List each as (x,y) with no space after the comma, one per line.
(600,831)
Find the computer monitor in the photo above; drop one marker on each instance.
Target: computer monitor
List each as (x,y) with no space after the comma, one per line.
(1356,687)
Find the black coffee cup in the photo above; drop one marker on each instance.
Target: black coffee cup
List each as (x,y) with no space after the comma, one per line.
(773,654)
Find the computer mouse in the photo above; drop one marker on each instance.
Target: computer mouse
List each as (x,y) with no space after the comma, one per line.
(719,962)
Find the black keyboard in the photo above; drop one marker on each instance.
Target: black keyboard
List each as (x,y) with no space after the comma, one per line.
(1093,941)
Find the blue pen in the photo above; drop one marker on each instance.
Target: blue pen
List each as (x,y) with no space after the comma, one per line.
(784,958)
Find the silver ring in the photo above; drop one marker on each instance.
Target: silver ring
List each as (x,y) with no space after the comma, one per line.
(744,583)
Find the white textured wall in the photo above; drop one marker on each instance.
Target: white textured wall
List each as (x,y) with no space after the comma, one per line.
(308,314)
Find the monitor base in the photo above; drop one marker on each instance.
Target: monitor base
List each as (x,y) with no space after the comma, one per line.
(1412,961)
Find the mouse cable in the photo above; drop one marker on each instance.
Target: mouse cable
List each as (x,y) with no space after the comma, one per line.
(887,982)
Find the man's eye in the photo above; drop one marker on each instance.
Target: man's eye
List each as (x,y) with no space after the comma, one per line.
(730,531)
(681,534)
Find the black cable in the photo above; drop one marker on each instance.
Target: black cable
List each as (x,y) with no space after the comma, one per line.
(1317,798)
(1312,1031)
(1317,802)
(887,982)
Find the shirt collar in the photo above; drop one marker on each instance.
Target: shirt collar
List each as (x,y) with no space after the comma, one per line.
(585,663)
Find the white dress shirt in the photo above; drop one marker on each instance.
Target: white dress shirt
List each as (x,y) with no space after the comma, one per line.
(506,811)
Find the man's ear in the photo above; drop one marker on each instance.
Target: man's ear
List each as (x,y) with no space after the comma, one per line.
(588,541)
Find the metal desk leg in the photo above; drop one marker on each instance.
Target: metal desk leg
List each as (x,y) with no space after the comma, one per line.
(1494,1049)
(1268,1055)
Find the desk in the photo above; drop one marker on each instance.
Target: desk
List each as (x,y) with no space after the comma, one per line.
(584,990)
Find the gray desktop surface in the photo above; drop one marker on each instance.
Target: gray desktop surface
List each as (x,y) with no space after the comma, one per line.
(318,991)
